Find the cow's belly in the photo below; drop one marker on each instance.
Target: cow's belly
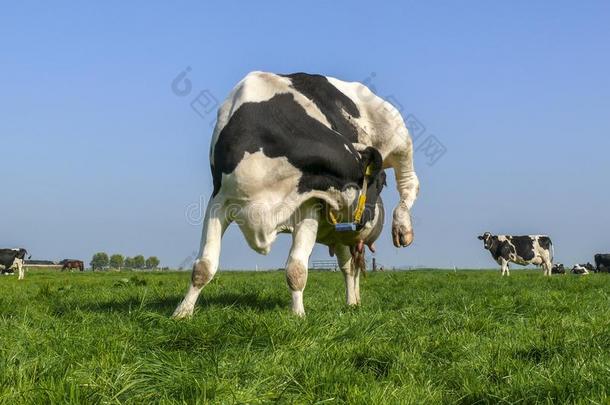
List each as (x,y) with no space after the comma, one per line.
(261,220)
(521,261)
(259,196)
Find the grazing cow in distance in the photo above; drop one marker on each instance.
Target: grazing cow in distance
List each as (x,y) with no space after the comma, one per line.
(582,269)
(13,257)
(68,264)
(588,266)
(522,250)
(304,154)
(558,269)
(602,263)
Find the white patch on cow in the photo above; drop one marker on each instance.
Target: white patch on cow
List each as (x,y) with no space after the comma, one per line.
(581,270)
(380,124)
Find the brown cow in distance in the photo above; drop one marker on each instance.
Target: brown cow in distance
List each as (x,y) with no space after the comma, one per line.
(73,264)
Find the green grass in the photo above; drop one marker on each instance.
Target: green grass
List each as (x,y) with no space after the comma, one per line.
(419,337)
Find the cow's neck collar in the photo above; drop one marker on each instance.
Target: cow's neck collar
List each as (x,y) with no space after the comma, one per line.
(355,224)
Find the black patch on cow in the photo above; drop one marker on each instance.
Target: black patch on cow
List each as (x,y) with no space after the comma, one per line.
(281,127)
(506,250)
(524,246)
(545,242)
(331,102)
(8,256)
(500,249)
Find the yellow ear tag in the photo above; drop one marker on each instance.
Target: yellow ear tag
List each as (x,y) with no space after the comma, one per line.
(360,208)
(333,218)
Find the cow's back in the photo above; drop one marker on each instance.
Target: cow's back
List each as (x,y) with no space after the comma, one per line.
(270,135)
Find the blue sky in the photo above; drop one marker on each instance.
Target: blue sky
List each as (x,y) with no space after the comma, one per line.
(100,154)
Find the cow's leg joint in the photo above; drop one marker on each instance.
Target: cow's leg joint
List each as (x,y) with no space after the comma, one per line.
(296,276)
(203,272)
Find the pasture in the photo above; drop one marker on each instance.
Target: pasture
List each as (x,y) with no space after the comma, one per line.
(419,337)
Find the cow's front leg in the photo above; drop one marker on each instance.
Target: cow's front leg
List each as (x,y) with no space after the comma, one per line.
(351,274)
(503,266)
(215,223)
(407,185)
(21,269)
(303,241)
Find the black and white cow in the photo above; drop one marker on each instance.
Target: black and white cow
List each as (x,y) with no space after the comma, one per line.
(558,269)
(13,257)
(288,154)
(602,263)
(588,266)
(582,269)
(523,250)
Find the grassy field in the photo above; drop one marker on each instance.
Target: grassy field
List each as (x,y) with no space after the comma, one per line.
(419,337)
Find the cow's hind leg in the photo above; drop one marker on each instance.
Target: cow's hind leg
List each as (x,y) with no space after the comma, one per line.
(351,274)
(547,266)
(205,267)
(303,241)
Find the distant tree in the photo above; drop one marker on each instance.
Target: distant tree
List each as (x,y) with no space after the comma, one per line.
(152,262)
(99,261)
(128,263)
(139,262)
(116,261)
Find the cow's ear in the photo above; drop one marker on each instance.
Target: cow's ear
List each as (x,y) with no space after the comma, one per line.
(480,237)
(372,162)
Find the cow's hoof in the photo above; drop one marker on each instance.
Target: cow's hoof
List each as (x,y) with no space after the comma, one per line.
(402,230)
(401,236)
(182,313)
(299,313)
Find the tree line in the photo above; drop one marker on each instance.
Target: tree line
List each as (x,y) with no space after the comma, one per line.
(101,261)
